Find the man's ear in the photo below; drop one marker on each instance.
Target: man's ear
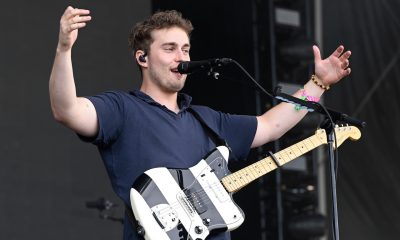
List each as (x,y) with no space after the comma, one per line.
(141,59)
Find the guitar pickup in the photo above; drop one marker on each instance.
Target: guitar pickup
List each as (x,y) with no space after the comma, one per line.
(219,191)
(196,200)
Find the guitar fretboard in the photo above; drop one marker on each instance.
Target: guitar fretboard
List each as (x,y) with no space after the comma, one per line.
(241,178)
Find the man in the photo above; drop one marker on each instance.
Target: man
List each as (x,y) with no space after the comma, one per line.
(153,126)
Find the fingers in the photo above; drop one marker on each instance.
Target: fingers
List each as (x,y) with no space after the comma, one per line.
(79,19)
(346,70)
(74,18)
(345,55)
(344,59)
(338,51)
(75,26)
(78,22)
(71,12)
(317,54)
(345,64)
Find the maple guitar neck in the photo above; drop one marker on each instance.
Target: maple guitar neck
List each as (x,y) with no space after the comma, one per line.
(241,178)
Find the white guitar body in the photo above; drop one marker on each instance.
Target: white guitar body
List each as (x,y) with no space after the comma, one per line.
(186,203)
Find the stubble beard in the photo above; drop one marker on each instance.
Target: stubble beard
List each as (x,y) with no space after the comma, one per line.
(172,85)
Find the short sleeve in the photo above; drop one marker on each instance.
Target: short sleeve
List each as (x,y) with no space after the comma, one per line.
(110,109)
(237,130)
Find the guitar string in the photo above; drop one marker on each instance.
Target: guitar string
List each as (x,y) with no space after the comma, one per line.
(203,196)
(202,193)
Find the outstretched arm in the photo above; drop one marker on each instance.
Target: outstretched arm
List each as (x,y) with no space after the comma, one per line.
(281,118)
(76,113)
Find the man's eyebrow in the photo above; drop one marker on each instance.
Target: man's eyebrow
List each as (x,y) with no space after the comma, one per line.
(173,44)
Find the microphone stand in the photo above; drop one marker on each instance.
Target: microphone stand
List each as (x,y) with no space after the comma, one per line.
(331,118)
(329,128)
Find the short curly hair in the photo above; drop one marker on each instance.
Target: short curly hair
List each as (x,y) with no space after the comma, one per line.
(140,35)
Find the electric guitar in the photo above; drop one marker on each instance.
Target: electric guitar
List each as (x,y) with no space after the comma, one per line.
(189,204)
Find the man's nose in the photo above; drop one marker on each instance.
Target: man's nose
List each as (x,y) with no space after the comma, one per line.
(182,56)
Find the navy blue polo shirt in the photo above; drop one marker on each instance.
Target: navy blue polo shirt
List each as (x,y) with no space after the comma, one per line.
(136,134)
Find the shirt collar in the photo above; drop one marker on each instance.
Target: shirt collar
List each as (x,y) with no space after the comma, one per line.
(184,100)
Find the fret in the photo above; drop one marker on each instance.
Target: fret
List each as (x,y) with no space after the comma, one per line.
(255,168)
(302,147)
(252,173)
(265,165)
(285,156)
(239,178)
(236,181)
(245,176)
(321,139)
(295,151)
(310,143)
(292,153)
(262,167)
(279,158)
(271,164)
(231,182)
(299,149)
(315,141)
(249,174)
(259,168)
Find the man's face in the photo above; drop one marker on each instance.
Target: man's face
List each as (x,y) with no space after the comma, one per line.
(169,48)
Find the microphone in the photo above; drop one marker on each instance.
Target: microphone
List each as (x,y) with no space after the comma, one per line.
(193,66)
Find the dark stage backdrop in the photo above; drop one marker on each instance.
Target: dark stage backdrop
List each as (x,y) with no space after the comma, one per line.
(368,180)
(46,173)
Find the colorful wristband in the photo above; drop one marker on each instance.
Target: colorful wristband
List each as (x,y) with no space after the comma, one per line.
(304,96)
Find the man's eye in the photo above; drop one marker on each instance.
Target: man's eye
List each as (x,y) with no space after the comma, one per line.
(185,50)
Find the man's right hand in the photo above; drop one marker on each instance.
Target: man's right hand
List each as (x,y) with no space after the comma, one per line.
(71,21)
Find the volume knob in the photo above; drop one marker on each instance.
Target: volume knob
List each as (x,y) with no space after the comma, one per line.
(198,229)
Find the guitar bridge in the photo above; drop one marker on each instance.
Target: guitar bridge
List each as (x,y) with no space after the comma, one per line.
(186,204)
(165,216)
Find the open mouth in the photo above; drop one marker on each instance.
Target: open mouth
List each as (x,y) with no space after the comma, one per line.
(175,71)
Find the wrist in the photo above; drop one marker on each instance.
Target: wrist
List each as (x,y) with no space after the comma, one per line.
(317,81)
(63,48)
(305,97)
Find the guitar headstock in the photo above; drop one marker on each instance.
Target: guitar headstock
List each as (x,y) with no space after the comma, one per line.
(344,132)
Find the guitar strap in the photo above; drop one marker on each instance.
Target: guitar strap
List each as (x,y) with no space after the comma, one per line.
(218,141)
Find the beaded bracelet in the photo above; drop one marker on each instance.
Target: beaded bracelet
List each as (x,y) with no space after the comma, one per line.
(304,96)
(319,84)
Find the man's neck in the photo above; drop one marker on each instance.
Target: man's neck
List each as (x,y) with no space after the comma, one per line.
(167,99)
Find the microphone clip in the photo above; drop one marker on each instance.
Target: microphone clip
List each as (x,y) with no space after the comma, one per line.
(213,73)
